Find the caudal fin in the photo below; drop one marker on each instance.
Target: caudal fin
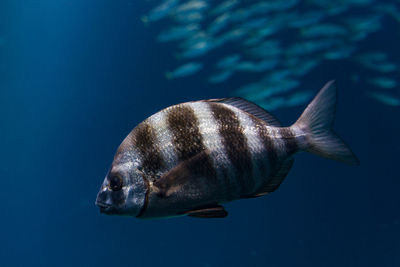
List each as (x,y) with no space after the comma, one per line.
(317,121)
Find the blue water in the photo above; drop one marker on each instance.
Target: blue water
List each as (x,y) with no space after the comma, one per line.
(77,76)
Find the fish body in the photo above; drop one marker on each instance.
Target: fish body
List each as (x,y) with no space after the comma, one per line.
(218,24)
(339,53)
(177,33)
(190,6)
(191,158)
(322,30)
(160,11)
(221,76)
(385,98)
(224,6)
(383,82)
(198,48)
(188,18)
(184,70)
(228,61)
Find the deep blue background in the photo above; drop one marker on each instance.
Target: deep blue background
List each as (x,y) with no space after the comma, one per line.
(77,76)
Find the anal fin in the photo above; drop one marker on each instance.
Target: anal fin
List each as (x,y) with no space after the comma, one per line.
(260,194)
(216,211)
(275,181)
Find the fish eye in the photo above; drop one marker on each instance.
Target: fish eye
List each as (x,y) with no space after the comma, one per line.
(116,183)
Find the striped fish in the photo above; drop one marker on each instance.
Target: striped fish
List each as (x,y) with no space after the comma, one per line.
(190,158)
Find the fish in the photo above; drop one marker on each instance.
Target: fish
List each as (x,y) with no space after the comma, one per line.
(228,61)
(218,24)
(161,11)
(305,66)
(390,9)
(260,35)
(269,48)
(339,53)
(309,47)
(322,30)
(184,70)
(188,18)
(224,6)
(268,35)
(361,27)
(261,66)
(194,40)
(272,103)
(376,61)
(372,57)
(385,98)
(190,6)
(230,36)
(257,91)
(384,67)
(275,5)
(177,33)
(383,82)
(220,77)
(198,48)
(192,158)
(277,75)
(298,98)
(306,19)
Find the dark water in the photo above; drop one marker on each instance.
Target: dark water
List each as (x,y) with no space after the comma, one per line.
(77,76)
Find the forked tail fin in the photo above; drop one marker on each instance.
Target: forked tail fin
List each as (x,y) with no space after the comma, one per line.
(317,121)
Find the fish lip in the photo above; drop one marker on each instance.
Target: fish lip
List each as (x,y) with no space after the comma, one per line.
(104,208)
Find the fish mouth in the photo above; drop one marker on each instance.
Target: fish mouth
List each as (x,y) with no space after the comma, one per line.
(104,208)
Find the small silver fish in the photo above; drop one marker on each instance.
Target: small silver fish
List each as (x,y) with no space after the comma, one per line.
(184,70)
(161,11)
(221,76)
(190,158)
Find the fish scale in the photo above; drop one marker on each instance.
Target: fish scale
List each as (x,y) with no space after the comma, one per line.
(235,144)
(213,143)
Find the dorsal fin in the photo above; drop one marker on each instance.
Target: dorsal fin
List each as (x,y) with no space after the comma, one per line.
(249,107)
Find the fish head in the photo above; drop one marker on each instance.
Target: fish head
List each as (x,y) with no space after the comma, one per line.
(124,189)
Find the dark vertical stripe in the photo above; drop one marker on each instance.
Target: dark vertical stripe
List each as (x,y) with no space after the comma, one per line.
(269,148)
(186,136)
(228,185)
(289,139)
(188,141)
(145,141)
(235,144)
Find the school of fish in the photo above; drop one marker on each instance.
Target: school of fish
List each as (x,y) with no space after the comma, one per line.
(250,39)
(191,158)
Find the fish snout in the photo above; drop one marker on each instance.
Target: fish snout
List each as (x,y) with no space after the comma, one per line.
(102,201)
(104,208)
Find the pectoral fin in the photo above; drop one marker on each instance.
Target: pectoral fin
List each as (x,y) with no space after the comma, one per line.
(209,212)
(174,179)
